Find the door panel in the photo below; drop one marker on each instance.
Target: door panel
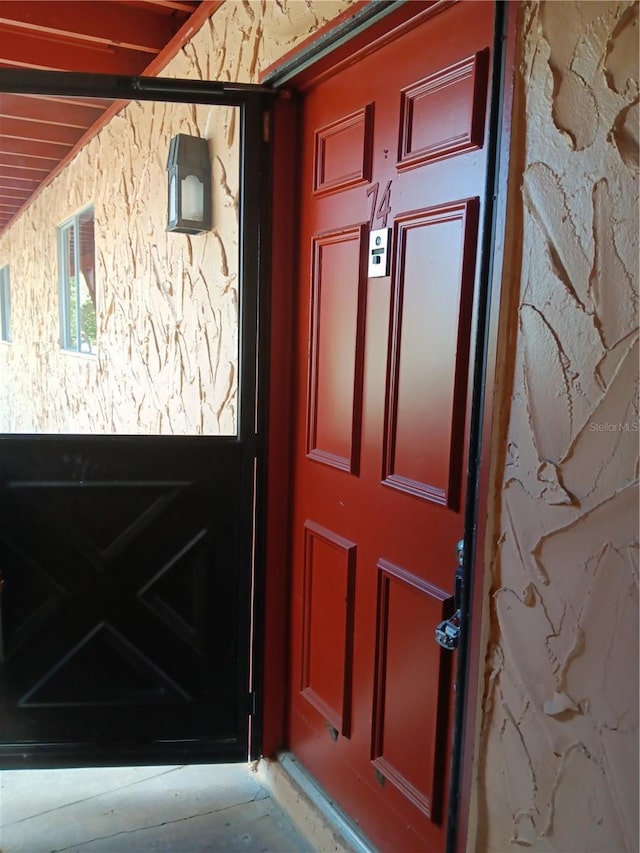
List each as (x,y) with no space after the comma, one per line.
(125,603)
(337,327)
(394,141)
(329,576)
(424,433)
(409,739)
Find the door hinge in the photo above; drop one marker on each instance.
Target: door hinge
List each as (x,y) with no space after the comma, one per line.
(253,703)
(266,126)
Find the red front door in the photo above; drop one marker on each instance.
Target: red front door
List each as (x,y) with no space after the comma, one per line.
(394,144)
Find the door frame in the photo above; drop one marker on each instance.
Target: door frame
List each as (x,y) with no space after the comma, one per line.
(355,32)
(255,102)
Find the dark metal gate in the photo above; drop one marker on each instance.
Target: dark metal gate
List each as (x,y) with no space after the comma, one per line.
(131,565)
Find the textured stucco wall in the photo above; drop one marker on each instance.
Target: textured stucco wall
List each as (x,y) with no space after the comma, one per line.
(167,303)
(558,755)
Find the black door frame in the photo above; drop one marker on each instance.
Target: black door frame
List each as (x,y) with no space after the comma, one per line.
(254,102)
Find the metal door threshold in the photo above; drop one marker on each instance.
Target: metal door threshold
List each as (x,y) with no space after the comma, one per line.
(312,811)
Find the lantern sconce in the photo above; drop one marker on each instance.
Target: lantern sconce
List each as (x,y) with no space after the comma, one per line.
(189,168)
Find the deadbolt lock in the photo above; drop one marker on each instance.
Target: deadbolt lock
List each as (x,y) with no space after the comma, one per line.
(448,631)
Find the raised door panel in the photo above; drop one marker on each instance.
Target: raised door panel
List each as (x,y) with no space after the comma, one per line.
(336,331)
(429,350)
(342,155)
(327,627)
(443,114)
(409,730)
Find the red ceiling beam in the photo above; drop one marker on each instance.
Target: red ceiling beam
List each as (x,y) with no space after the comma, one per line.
(107,24)
(174,5)
(21,183)
(19,161)
(18,50)
(41,109)
(17,172)
(31,148)
(17,195)
(204,11)
(12,200)
(60,135)
(33,177)
(13,184)
(76,100)
(12,193)
(8,173)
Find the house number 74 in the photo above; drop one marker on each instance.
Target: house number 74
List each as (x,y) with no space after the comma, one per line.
(384,208)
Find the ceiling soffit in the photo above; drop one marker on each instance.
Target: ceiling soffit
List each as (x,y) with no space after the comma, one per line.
(38,134)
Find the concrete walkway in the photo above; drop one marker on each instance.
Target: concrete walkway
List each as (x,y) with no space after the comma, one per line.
(193,809)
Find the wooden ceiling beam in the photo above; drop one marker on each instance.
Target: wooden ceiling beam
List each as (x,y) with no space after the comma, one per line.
(23,176)
(15,192)
(60,135)
(23,182)
(13,184)
(107,24)
(18,50)
(12,198)
(21,194)
(20,171)
(172,5)
(19,161)
(203,12)
(75,100)
(31,148)
(41,109)
(13,203)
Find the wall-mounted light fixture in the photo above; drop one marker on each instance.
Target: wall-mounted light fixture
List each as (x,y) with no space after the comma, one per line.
(189,168)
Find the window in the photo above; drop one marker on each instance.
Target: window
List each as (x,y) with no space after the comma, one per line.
(5,305)
(76,250)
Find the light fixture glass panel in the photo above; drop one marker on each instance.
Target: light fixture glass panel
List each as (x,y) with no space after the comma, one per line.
(173,213)
(192,198)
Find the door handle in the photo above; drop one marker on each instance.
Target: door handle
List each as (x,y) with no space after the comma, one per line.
(448,631)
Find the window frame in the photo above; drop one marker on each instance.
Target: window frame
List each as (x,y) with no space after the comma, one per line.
(5,304)
(64,286)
